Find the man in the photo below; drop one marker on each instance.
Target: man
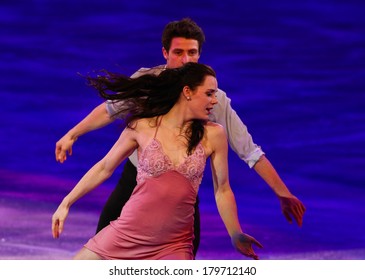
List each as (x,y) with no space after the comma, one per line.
(182,42)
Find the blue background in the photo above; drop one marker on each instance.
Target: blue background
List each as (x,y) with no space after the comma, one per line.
(293,69)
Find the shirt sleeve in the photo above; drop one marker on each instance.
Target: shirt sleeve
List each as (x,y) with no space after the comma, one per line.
(240,140)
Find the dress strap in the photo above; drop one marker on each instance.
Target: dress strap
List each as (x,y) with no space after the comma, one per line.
(158,125)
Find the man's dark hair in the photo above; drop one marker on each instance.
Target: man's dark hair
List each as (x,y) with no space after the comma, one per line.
(185,28)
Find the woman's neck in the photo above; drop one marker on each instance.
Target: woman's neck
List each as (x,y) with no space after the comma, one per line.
(176,118)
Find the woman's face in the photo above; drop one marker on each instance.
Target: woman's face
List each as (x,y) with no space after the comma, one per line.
(203,98)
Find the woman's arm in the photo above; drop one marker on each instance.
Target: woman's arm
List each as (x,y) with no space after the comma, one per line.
(224,196)
(101,171)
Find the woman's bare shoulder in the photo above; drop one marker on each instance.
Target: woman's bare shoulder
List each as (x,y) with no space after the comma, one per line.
(215,129)
(144,123)
(215,137)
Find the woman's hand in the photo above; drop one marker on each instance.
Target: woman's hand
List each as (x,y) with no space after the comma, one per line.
(243,244)
(58,220)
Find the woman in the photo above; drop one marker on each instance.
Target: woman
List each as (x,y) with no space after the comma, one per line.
(167,122)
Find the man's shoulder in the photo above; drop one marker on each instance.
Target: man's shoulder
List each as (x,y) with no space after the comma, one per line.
(221,92)
(145,70)
(222,96)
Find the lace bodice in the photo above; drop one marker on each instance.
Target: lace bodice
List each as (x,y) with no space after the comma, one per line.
(153,162)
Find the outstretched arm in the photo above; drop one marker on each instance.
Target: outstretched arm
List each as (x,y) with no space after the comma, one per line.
(224,196)
(242,143)
(98,118)
(291,206)
(101,171)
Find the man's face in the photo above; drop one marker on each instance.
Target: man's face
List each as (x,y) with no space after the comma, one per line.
(182,50)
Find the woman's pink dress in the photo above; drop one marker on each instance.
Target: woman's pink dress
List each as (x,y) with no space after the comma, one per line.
(157,221)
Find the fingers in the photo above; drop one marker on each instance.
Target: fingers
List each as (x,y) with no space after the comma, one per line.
(298,212)
(298,216)
(287,216)
(258,244)
(57,228)
(245,246)
(55,232)
(57,152)
(252,255)
(61,157)
(61,154)
(249,252)
(291,206)
(301,208)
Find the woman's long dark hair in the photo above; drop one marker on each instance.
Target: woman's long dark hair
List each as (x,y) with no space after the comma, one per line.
(151,95)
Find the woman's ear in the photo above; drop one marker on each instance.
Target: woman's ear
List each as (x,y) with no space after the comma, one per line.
(187,93)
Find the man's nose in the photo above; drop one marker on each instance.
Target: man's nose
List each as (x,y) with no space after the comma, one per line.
(185,58)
